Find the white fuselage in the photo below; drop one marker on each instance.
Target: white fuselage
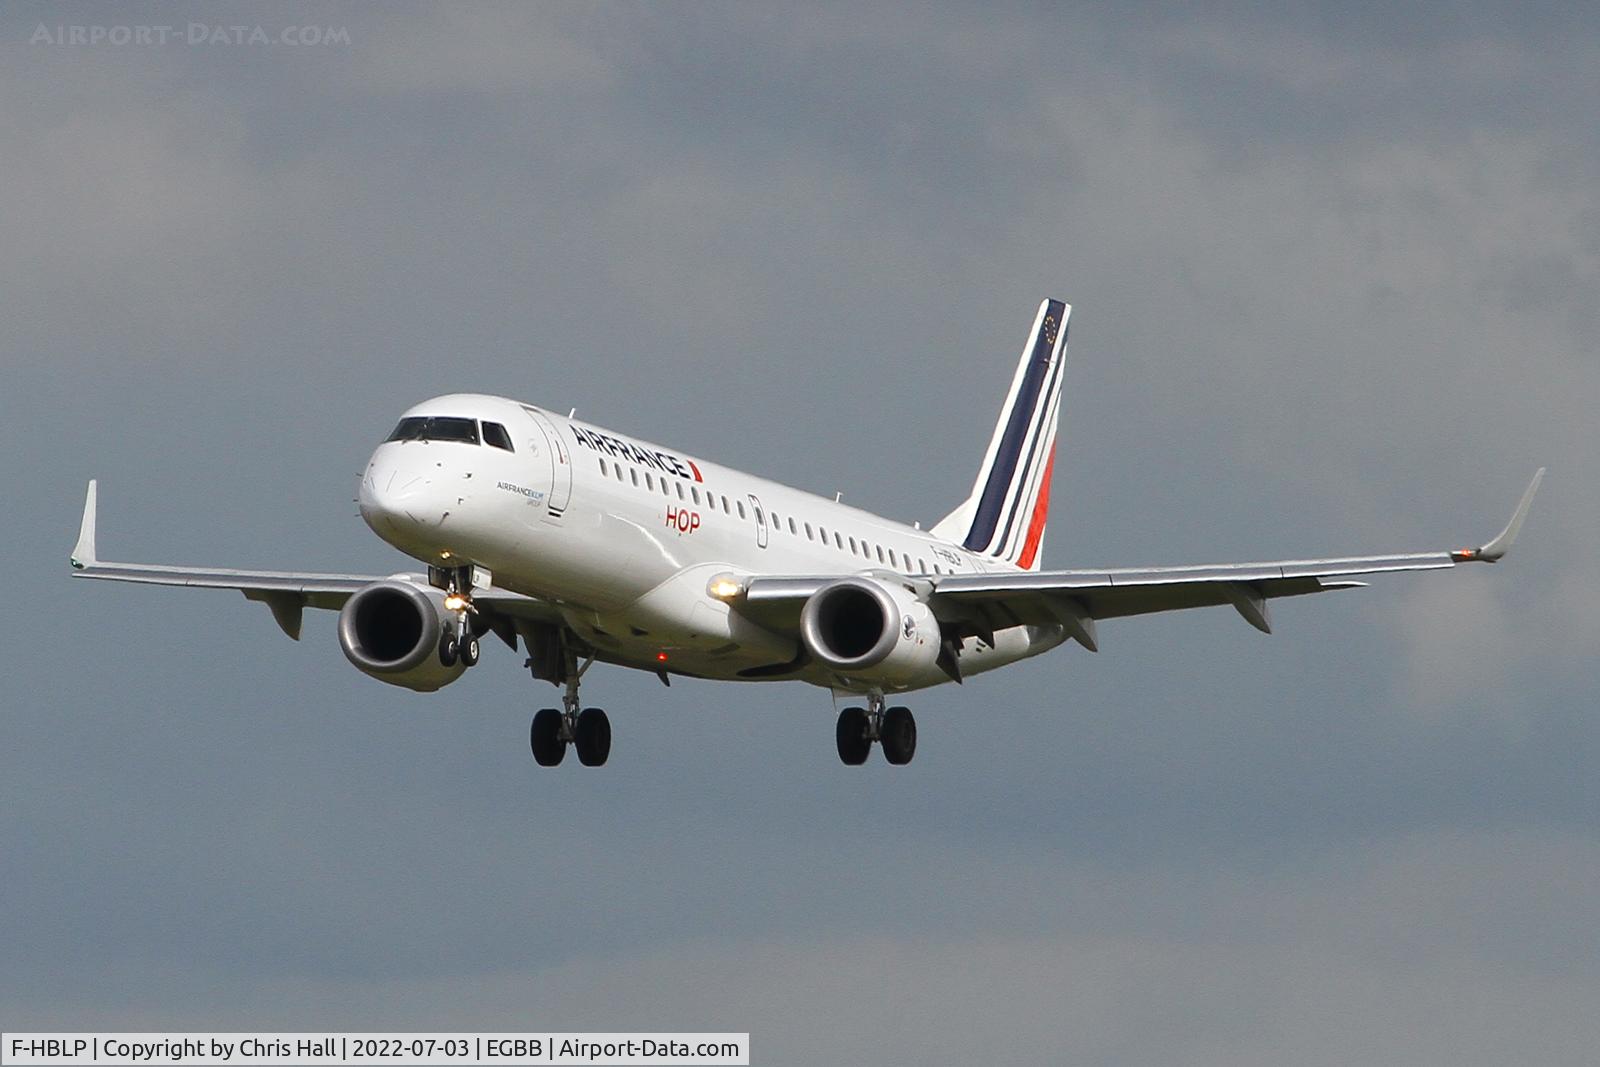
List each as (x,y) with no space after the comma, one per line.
(624,536)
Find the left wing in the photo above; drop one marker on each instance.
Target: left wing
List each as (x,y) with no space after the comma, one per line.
(980,604)
(286,593)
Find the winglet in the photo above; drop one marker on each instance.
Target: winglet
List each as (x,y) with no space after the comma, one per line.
(83,553)
(1495,550)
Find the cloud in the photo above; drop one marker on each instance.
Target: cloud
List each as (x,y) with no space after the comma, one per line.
(1432,948)
(489,52)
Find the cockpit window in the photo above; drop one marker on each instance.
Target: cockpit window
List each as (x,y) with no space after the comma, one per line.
(436,428)
(495,434)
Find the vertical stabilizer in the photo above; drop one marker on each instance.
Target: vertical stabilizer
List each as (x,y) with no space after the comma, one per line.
(1004,518)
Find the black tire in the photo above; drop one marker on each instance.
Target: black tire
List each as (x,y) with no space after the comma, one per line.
(448,650)
(469,651)
(851,737)
(592,738)
(899,736)
(544,737)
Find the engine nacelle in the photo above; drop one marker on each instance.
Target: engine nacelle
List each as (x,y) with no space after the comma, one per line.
(870,631)
(390,630)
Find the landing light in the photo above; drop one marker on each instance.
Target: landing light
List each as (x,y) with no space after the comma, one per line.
(725,587)
(455,602)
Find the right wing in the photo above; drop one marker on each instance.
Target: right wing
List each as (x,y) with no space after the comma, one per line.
(286,593)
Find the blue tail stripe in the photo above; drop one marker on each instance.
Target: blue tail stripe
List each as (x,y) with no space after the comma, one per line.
(1005,460)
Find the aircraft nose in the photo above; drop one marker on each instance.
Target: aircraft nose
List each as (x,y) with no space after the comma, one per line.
(396,494)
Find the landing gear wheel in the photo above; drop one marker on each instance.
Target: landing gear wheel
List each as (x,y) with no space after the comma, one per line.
(592,737)
(545,738)
(851,737)
(448,650)
(468,650)
(898,734)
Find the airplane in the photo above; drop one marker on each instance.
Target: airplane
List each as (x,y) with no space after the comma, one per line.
(590,545)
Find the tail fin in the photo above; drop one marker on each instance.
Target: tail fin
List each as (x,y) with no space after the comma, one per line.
(1005,515)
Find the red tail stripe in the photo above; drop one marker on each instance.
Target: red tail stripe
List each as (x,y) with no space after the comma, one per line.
(1041,508)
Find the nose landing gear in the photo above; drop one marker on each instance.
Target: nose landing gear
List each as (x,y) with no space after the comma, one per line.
(462,645)
(458,642)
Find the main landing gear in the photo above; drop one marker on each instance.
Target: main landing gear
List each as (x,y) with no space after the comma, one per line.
(893,728)
(587,730)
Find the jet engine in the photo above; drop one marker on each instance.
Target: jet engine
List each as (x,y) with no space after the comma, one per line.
(390,630)
(870,631)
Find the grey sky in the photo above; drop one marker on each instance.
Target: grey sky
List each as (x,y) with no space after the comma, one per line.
(1334,273)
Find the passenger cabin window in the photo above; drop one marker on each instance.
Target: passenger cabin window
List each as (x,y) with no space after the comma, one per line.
(633,474)
(694,491)
(436,428)
(679,486)
(740,505)
(791,526)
